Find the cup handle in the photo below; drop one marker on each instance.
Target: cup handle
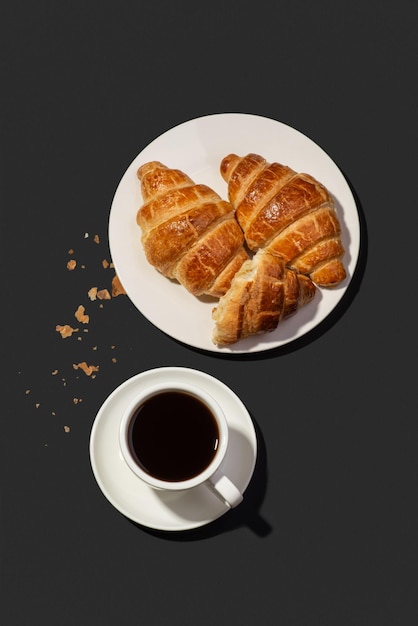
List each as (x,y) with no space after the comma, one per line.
(225,489)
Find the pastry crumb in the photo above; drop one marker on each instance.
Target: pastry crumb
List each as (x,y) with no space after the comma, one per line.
(87,369)
(103,294)
(92,293)
(99,293)
(66,330)
(117,287)
(81,316)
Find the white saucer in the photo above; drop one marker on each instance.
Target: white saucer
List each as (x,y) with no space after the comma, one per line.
(159,510)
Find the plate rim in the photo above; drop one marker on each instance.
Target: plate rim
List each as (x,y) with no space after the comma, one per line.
(266,341)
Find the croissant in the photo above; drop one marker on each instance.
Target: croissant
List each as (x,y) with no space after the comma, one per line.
(288,213)
(188,232)
(262,293)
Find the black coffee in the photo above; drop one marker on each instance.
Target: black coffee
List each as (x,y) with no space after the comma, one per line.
(173,436)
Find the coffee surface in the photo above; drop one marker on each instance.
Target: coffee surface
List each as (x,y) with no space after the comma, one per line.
(173,436)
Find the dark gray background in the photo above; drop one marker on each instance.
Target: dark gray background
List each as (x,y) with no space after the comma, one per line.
(327,534)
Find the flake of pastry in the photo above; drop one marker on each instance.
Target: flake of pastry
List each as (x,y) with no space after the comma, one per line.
(87,369)
(92,293)
(66,330)
(103,294)
(117,287)
(81,316)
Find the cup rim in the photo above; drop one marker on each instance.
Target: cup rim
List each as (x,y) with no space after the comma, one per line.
(215,409)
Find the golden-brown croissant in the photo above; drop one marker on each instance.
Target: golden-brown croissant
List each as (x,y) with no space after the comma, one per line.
(262,293)
(288,213)
(188,232)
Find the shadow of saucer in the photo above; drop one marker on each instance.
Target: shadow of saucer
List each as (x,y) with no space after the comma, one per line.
(245,515)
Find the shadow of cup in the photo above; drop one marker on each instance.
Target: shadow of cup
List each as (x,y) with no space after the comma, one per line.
(246,514)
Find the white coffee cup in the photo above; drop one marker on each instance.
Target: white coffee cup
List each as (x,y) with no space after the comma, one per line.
(174,436)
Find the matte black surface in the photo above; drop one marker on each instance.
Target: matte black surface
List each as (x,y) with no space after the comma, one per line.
(327,532)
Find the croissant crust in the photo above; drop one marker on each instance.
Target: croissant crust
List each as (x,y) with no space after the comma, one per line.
(188,232)
(263,293)
(289,213)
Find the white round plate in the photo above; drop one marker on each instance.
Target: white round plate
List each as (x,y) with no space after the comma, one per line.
(139,502)
(197,147)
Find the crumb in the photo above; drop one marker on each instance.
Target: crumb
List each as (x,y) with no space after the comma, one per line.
(92,293)
(67,429)
(71,265)
(96,239)
(105,263)
(81,316)
(66,330)
(103,294)
(27,391)
(94,348)
(87,369)
(114,360)
(77,400)
(54,373)
(86,235)
(117,287)
(38,404)
(70,251)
